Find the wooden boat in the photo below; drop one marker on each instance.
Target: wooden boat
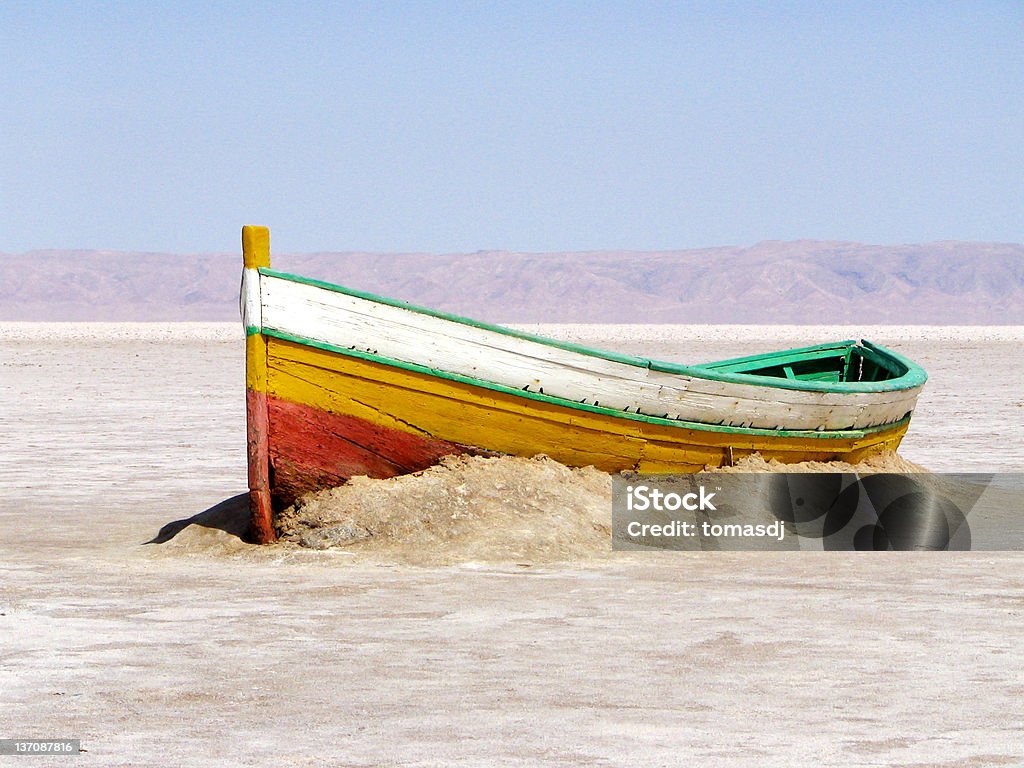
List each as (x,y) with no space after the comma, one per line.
(343,383)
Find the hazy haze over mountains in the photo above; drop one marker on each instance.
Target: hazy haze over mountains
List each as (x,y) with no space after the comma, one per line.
(770,282)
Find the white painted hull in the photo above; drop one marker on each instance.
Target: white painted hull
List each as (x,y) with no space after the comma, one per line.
(334,318)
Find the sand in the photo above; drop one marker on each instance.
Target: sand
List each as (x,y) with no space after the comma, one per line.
(464,510)
(483,510)
(134,617)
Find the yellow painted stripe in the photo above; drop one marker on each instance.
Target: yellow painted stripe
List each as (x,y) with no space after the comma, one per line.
(255,254)
(462,413)
(256,362)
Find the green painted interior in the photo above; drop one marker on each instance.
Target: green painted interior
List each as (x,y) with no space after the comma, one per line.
(842,362)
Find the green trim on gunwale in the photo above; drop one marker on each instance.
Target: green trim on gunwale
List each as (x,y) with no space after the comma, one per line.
(846,434)
(915,375)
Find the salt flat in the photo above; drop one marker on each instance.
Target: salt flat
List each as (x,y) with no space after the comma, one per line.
(156,655)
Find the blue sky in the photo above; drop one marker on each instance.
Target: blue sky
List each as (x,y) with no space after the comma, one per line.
(520,126)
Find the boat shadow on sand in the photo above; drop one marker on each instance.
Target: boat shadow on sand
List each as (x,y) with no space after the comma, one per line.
(230,516)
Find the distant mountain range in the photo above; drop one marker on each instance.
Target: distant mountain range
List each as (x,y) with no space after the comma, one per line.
(771,282)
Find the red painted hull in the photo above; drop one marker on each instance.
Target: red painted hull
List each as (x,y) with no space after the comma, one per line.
(310,450)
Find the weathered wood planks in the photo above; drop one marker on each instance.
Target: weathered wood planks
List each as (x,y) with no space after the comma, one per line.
(304,311)
(335,416)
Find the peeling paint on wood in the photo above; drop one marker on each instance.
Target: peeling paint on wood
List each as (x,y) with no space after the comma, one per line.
(301,311)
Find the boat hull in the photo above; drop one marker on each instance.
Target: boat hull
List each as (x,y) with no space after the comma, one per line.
(342,383)
(333,415)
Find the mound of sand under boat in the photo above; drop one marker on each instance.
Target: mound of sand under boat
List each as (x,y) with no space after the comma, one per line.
(464,510)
